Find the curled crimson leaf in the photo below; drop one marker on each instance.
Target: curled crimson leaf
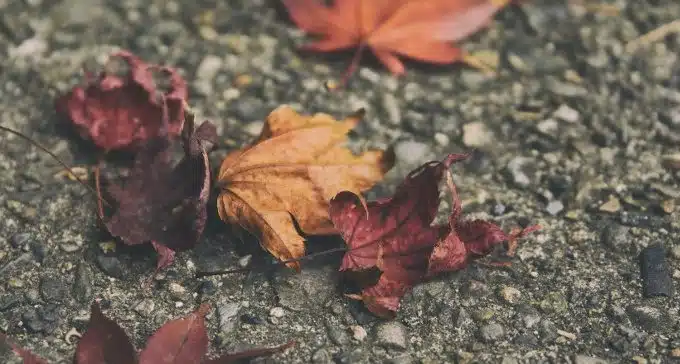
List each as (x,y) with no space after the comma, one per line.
(159,202)
(396,237)
(117,112)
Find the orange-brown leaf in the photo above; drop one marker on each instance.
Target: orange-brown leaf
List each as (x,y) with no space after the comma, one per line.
(418,29)
(289,174)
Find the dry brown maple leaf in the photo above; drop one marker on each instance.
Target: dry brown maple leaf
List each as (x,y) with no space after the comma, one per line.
(419,29)
(288,176)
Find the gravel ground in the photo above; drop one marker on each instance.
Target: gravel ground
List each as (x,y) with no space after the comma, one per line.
(574,133)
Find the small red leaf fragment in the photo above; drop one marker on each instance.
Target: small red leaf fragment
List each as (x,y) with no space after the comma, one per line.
(104,342)
(123,112)
(14,349)
(395,236)
(180,341)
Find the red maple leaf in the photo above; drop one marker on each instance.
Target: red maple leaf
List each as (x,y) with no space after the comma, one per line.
(419,29)
(179,341)
(123,112)
(395,236)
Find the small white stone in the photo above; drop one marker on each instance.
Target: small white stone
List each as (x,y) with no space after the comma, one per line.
(209,67)
(32,47)
(548,126)
(358,333)
(253,128)
(511,294)
(231,94)
(277,312)
(476,134)
(311,84)
(442,139)
(567,113)
(176,289)
(412,152)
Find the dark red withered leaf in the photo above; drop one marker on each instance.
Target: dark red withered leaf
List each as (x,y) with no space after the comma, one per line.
(468,239)
(179,341)
(183,340)
(396,236)
(161,203)
(124,112)
(10,352)
(104,342)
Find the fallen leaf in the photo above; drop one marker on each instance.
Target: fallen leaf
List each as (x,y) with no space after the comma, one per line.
(423,30)
(124,112)
(16,352)
(161,203)
(395,236)
(288,175)
(104,342)
(179,341)
(184,340)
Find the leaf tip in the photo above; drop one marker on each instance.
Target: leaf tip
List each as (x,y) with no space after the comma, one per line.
(203,309)
(455,158)
(353,119)
(389,157)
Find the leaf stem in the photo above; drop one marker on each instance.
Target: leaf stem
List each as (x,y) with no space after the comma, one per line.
(270,266)
(354,64)
(51,154)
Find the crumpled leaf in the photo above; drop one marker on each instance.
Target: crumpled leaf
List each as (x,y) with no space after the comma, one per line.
(421,30)
(395,236)
(180,341)
(288,175)
(161,203)
(124,112)
(10,352)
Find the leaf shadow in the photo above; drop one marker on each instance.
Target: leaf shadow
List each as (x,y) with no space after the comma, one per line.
(125,262)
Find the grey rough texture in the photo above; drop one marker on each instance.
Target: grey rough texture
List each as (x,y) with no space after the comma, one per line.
(574,121)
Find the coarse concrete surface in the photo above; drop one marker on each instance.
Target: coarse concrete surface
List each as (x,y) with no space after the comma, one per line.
(576,132)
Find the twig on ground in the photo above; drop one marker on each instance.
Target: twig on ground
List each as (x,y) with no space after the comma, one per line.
(653,36)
